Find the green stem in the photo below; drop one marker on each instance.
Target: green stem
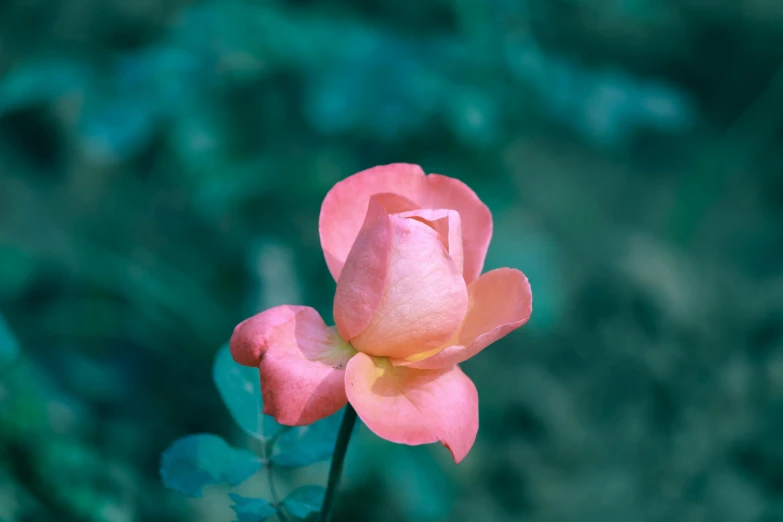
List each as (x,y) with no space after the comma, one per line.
(281,514)
(266,455)
(336,470)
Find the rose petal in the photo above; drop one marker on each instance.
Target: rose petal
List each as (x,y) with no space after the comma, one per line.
(445,192)
(301,360)
(345,206)
(424,300)
(363,281)
(500,302)
(249,340)
(410,406)
(448,226)
(394,203)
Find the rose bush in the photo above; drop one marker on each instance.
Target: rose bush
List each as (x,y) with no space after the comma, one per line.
(406,250)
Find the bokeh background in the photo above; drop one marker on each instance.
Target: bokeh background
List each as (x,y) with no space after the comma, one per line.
(162,165)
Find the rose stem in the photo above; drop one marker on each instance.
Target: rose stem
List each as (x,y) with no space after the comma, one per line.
(336,469)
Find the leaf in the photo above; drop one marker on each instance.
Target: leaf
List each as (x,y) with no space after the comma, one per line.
(196,461)
(304,501)
(240,389)
(304,445)
(251,509)
(9,348)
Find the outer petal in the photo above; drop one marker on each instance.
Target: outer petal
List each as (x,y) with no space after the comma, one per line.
(410,406)
(301,361)
(345,206)
(424,300)
(500,302)
(363,283)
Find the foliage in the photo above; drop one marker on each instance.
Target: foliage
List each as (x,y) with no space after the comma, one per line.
(252,509)
(304,501)
(307,445)
(240,389)
(196,461)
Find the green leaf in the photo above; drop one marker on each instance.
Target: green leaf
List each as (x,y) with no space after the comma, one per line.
(9,348)
(305,445)
(240,388)
(196,461)
(304,501)
(251,509)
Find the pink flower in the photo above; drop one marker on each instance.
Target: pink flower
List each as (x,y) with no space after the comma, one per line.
(406,250)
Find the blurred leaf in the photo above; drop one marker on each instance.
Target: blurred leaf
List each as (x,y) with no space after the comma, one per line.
(163,75)
(117,128)
(9,348)
(251,509)
(240,389)
(17,270)
(537,254)
(30,403)
(81,463)
(305,445)
(607,107)
(201,138)
(474,116)
(304,501)
(196,461)
(42,81)
(92,377)
(419,488)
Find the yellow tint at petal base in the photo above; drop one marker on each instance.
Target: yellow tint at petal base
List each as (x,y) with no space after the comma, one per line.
(382,364)
(335,352)
(425,355)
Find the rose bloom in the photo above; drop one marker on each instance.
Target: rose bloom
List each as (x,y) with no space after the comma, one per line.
(406,250)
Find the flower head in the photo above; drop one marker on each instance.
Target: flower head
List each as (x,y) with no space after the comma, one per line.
(406,250)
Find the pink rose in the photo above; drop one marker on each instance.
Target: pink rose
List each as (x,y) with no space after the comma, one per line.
(406,250)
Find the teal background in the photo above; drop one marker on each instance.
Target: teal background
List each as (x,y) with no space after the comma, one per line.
(162,165)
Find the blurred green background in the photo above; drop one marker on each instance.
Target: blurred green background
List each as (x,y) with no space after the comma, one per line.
(162,165)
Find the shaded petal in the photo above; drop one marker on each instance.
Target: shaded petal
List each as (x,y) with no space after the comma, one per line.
(410,406)
(500,302)
(447,224)
(445,192)
(301,361)
(345,206)
(394,203)
(425,299)
(363,281)
(249,340)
